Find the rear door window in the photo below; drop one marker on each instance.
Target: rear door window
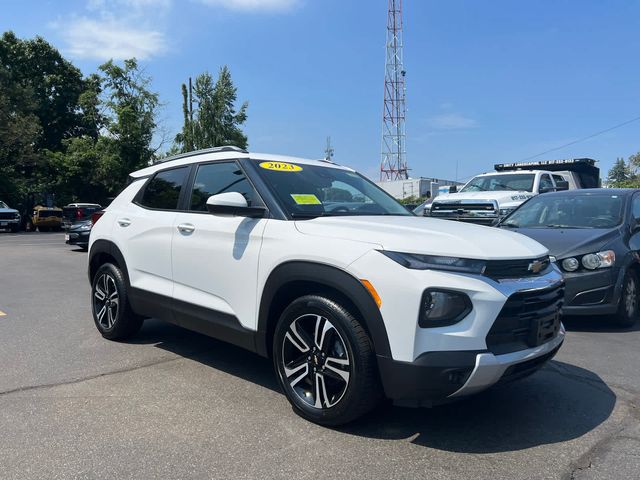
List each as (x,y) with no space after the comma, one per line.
(163,191)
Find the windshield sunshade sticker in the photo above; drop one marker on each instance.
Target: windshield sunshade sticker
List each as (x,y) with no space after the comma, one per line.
(281,166)
(305,199)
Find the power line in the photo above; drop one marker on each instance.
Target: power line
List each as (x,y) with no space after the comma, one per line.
(582,139)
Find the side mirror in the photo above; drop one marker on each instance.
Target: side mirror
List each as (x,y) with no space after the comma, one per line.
(453,189)
(233,203)
(562,185)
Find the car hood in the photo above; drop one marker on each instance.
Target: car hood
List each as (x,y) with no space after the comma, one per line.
(502,197)
(567,242)
(8,210)
(425,236)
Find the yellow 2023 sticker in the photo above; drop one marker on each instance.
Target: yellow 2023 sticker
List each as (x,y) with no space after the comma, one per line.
(305,199)
(281,166)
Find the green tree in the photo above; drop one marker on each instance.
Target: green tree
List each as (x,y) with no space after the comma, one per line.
(130,119)
(619,173)
(215,122)
(55,86)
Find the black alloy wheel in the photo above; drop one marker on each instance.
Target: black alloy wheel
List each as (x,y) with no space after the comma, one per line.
(325,361)
(112,314)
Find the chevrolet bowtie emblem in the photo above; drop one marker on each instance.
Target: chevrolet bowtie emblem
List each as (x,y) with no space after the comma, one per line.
(536,266)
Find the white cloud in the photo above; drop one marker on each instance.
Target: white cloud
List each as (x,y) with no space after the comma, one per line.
(109,38)
(451,121)
(115,29)
(253,5)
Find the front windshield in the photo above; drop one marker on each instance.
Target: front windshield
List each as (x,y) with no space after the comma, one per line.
(3,205)
(494,183)
(575,211)
(308,191)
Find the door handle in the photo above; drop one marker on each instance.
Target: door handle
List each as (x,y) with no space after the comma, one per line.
(186,228)
(124,222)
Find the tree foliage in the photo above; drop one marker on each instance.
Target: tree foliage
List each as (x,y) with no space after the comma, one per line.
(76,138)
(625,174)
(215,121)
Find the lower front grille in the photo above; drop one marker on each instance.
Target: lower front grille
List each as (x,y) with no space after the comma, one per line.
(524,369)
(527,319)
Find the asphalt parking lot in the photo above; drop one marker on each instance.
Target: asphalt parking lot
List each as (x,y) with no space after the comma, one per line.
(175,404)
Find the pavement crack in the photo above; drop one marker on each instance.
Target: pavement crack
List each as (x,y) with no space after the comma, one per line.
(585,461)
(43,386)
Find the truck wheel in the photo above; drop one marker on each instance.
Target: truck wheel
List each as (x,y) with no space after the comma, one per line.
(110,306)
(325,362)
(628,308)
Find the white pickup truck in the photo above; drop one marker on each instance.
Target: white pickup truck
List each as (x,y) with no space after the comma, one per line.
(487,198)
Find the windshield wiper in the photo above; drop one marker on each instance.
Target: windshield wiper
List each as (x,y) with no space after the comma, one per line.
(557,225)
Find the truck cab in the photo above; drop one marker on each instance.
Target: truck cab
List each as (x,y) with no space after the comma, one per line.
(488,197)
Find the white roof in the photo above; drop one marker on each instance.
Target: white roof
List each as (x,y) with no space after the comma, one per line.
(211,156)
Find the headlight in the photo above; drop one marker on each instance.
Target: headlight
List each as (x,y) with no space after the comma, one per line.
(440,308)
(16,216)
(432,262)
(506,211)
(590,261)
(84,228)
(599,260)
(570,264)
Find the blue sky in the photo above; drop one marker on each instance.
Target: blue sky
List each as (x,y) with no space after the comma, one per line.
(487,82)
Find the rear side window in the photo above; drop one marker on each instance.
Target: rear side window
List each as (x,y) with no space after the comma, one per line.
(163,191)
(215,178)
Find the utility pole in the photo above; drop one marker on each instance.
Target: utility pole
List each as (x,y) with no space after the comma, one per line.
(394,162)
(328,151)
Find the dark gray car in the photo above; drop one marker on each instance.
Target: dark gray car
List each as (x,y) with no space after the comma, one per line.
(594,235)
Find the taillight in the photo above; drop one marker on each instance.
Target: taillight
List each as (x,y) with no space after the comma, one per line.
(95,216)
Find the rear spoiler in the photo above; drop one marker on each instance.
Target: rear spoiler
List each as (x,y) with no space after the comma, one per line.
(586,168)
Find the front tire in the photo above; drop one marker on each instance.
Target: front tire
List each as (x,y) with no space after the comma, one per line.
(112,313)
(325,362)
(628,309)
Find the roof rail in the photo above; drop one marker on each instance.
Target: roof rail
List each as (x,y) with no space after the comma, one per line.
(225,148)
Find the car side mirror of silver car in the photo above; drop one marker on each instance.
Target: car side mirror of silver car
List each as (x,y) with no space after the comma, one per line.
(233,203)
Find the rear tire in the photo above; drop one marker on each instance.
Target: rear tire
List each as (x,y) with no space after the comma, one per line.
(325,362)
(112,313)
(628,308)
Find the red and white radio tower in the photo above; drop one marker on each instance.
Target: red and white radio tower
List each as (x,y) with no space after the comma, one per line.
(394,161)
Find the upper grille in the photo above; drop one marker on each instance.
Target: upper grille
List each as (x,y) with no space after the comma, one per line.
(7,215)
(517,268)
(526,320)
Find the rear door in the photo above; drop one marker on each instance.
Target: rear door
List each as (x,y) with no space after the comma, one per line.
(144,232)
(215,257)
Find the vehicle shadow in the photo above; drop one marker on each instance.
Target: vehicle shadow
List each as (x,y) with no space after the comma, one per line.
(595,324)
(559,403)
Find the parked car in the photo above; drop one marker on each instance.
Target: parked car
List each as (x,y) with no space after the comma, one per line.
(594,236)
(9,218)
(75,212)
(487,198)
(46,218)
(78,233)
(350,305)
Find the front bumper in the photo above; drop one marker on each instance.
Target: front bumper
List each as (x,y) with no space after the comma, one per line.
(438,377)
(9,223)
(593,293)
(77,238)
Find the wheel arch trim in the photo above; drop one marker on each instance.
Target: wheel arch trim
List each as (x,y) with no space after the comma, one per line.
(326,276)
(107,247)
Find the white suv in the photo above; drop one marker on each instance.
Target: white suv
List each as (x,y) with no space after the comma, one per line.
(310,263)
